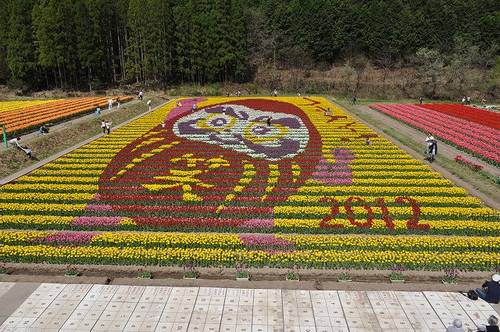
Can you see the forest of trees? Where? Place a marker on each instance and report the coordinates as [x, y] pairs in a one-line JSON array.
[[92, 44]]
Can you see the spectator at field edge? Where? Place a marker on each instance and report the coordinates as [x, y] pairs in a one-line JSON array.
[[492, 324], [43, 130], [490, 290]]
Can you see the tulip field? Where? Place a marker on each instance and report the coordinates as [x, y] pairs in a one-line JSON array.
[[221, 186], [20, 116], [472, 130], [477, 115]]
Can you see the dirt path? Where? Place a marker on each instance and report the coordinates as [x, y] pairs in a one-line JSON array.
[[444, 149]]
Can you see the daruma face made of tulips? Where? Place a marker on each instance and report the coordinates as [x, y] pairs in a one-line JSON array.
[[222, 155]]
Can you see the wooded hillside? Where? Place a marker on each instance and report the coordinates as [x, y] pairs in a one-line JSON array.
[[91, 44]]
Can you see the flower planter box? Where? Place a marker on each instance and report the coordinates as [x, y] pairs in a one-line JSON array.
[[397, 281], [243, 278], [191, 275], [292, 277], [72, 275], [445, 282]]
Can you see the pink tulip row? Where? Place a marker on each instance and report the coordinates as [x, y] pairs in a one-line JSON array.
[[480, 140], [477, 131]]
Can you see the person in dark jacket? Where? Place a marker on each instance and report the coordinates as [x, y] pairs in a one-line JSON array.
[[490, 290], [492, 324]]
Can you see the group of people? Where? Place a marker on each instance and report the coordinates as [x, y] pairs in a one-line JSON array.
[[106, 126], [492, 326], [237, 94], [489, 292], [466, 100], [111, 102]]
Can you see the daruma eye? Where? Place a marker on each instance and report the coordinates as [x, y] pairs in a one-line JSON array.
[[245, 130]]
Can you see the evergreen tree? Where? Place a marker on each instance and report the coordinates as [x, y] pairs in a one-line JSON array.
[[21, 57], [4, 32]]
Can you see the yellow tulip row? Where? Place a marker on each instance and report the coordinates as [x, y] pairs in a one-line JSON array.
[[423, 200], [176, 239], [357, 181], [397, 210], [379, 224], [219, 257], [453, 226], [380, 190]]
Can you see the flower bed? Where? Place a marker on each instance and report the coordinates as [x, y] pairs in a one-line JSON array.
[[473, 114], [221, 187], [19, 117], [478, 139]]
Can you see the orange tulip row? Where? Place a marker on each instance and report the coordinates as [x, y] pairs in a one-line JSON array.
[[21, 119]]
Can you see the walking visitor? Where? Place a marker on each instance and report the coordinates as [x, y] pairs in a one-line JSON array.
[[108, 126]]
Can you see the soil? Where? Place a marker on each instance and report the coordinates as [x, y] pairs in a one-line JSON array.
[[225, 277], [444, 149]]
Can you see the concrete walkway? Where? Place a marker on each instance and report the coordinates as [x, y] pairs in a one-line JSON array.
[[87, 307], [39, 164]]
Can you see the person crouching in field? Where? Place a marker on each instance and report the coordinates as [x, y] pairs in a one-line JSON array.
[[25, 149]]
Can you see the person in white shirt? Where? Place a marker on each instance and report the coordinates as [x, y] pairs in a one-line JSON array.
[[110, 104], [15, 141], [103, 126], [25, 149], [108, 126], [149, 104]]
